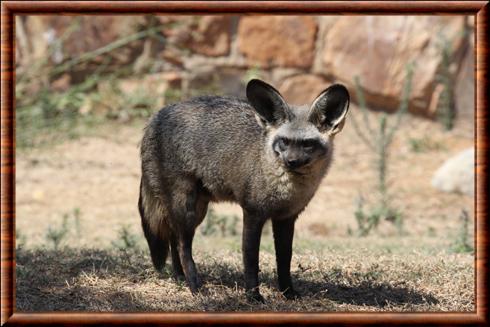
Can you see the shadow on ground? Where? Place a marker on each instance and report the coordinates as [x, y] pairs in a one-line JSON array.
[[98, 280]]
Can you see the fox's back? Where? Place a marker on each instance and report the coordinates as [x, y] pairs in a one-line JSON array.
[[215, 139]]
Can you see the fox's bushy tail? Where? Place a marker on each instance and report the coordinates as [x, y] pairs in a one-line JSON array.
[[153, 220]]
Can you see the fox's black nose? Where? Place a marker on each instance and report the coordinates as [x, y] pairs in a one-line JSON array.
[[294, 163]]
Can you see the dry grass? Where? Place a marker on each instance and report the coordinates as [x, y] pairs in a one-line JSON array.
[[374, 275]]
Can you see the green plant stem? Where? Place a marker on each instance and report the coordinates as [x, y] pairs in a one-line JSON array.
[[382, 158], [407, 89], [361, 135], [362, 104]]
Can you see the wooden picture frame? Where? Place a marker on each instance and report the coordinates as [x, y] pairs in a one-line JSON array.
[[9, 9]]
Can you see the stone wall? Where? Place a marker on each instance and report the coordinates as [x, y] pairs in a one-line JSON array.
[[301, 55]]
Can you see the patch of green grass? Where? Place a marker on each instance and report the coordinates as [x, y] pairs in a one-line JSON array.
[[424, 144]]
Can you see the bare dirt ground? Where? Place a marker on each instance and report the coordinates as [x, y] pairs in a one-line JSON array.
[[98, 176]]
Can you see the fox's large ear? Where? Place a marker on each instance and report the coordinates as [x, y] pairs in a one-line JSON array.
[[329, 109], [267, 102]]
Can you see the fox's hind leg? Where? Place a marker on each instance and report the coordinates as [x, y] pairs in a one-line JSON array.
[[189, 209], [176, 265]]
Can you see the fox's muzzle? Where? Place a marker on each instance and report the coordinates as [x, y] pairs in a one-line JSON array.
[[296, 163]]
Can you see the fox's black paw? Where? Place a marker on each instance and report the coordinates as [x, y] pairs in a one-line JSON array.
[[254, 296], [180, 277], [291, 294], [194, 284]]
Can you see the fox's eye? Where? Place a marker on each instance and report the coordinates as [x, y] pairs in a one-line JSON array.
[[279, 145], [283, 143], [309, 145], [308, 148]]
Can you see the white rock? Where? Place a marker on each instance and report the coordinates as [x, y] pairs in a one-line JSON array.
[[457, 174]]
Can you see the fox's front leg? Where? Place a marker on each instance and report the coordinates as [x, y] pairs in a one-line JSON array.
[[283, 231], [252, 231]]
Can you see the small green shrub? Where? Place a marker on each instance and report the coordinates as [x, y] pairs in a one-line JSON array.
[[446, 110], [56, 235], [127, 240], [20, 239], [379, 141], [223, 225], [461, 243], [251, 73], [431, 231], [173, 95], [446, 75], [368, 220], [76, 218]]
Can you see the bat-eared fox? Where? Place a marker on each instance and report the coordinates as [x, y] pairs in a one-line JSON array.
[[262, 153]]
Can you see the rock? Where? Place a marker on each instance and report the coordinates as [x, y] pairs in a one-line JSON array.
[[302, 89], [206, 35], [464, 91], [172, 56], [173, 79], [325, 23], [270, 41], [207, 80], [457, 174], [278, 75], [156, 84], [164, 88], [318, 229], [212, 36], [61, 84], [377, 49]]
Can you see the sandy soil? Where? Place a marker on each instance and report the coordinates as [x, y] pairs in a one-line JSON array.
[[99, 174]]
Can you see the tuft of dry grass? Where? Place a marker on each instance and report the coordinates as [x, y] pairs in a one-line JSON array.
[[333, 280]]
